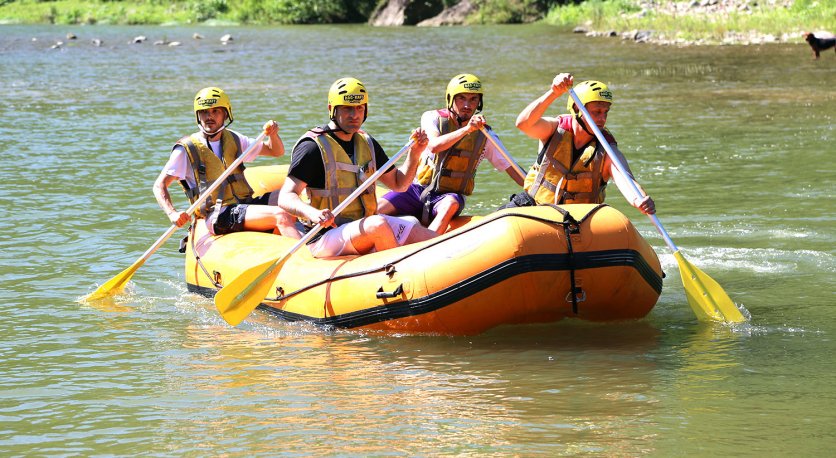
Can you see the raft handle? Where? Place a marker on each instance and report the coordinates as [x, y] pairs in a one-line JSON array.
[[390, 270], [580, 295], [384, 295]]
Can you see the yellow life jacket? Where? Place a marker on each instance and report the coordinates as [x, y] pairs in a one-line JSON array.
[[556, 180], [343, 176], [207, 168], [452, 170]]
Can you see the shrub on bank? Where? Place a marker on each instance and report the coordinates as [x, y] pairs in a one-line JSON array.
[[185, 11]]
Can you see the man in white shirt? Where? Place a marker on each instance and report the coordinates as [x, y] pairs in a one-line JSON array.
[[199, 159]]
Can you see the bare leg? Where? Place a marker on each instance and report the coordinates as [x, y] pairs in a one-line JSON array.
[[286, 224], [420, 233], [444, 213], [374, 232], [267, 217]]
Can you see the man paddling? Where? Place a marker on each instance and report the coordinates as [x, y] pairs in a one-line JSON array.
[[448, 166], [572, 167], [331, 162], [199, 159]]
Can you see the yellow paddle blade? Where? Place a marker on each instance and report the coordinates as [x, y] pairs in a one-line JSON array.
[[245, 292], [115, 284], [705, 296]]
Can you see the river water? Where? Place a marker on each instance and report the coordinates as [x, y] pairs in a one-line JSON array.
[[734, 143]]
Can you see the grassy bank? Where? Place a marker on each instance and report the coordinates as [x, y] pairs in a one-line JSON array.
[[157, 12], [667, 21], [724, 21]]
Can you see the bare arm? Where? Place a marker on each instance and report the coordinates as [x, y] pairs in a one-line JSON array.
[[273, 145], [290, 202], [437, 142], [643, 203], [400, 178], [532, 121], [501, 159], [163, 197]]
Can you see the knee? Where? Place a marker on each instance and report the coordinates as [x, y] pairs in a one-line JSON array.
[[448, 205], [284, 218], [375, 224], [286, 224]]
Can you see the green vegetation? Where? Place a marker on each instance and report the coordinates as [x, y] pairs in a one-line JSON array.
[[671, 20], [184, 11], [511, 11], [712, 23]]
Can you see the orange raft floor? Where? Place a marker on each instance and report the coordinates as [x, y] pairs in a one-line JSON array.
[[514, 266]]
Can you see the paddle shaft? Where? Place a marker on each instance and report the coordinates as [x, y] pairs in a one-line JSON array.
[[193, 207], [706, 297], [498, 145], [126, 274], [315, 230], [621, 167]]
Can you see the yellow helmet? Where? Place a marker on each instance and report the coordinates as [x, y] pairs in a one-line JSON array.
[[464, 83], [347, 92], [589, 91], [210, 97]]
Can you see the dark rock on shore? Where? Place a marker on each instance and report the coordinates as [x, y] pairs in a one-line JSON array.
[[405, 12], [454, 15]]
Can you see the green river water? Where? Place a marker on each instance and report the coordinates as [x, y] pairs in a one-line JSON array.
[[735, 144]]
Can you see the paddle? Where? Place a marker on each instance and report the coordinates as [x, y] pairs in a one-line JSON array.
[[498, 144], [705, 296], [116, 283], [245, 292]]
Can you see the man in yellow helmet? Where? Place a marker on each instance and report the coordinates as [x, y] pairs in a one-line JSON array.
[[448, 165], [571, 166], [197, 160], [331, 162]]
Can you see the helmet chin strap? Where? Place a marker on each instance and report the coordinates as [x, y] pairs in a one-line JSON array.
[[339, 127], [211, 134], [459, 119], [583, 124]]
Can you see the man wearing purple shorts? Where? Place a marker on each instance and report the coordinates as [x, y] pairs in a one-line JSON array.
[[448, 165]]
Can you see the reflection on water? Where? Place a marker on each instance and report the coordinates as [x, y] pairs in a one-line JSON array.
[[733, 144], [451, 394]]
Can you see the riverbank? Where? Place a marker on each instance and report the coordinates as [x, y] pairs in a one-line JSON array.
[[698, 22], [681, 23]]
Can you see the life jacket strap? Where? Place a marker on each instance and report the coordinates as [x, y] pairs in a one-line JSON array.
[[571, 226]]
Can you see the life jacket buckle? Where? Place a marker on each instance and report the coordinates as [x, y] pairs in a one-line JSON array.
[[367, 167]]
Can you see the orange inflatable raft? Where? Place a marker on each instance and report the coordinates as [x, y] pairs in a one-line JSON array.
[[526, 265]]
